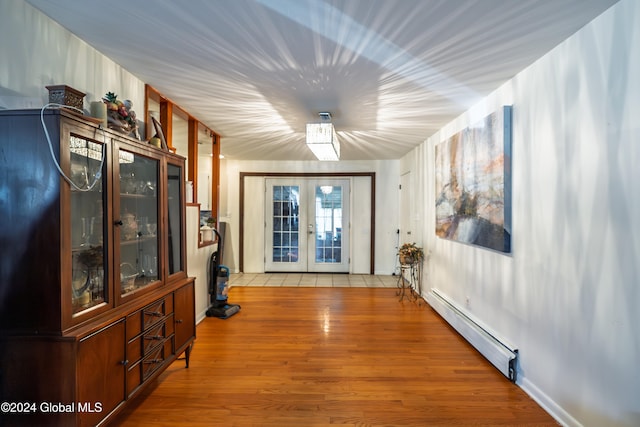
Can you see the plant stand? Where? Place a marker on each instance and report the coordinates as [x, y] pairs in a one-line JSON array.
[[410, 282]]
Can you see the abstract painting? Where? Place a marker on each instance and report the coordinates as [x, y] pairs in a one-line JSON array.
[[473, 184]]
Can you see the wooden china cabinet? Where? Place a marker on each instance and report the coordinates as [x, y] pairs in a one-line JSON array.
[[94, 297]]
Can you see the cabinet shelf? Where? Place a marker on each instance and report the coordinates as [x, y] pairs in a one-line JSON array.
[[139, 240], [136, 196]]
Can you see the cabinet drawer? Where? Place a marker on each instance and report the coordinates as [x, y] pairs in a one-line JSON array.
[[153, 313], [134, 350], [134, 324], [134, 377], [157, 334], [156, 358]]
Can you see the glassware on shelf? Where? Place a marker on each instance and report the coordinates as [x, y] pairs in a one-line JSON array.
[[91, 231], [128, 183], [87, 218], [139, 212], [141, 226], [150, 266], [79, 283], [129, 227], [128, 275], [87, 278], [96, 287], [152, 228]]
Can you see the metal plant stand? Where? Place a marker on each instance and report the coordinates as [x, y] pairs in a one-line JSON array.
[[410, 282]]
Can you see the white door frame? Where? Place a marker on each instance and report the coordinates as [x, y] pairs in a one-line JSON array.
[[297, 214]]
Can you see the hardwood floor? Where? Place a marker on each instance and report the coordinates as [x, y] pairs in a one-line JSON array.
[[309, 356]]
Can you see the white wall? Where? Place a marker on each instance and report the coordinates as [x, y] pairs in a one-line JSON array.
[[568, 295], [35, 52], [387, 180], [198, 261]]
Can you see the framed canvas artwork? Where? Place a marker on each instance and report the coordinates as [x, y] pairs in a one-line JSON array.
[[473, 184]]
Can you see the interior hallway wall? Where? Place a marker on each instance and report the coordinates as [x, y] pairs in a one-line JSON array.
[[569, 293]]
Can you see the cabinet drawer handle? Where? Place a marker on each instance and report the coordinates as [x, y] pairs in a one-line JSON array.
[[155, 337], [178, 320], [118, 222], [152, 361], [154, 313], [124, 362]]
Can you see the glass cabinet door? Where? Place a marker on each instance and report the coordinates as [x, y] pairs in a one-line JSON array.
[[87, 223], [174, 189], [138, 263]]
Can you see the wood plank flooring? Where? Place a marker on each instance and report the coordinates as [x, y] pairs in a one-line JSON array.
[[308, 356]]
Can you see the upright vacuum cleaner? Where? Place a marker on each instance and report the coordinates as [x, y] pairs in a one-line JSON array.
[[219, 285]]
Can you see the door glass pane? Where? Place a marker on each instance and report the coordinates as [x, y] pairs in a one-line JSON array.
[[174, 188], [87, 225], [328, 222], [286, 207], [138, 264]]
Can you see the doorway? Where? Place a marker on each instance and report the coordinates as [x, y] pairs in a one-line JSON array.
[[307, 225]]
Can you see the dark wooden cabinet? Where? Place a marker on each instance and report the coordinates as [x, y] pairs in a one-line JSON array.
[[101, 371], [95, 301], [185, 321]]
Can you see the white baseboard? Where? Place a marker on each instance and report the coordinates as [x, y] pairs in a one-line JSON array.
[[201, 316], [548, 404]]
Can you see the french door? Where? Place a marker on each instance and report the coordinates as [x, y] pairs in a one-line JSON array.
[[307, 225]]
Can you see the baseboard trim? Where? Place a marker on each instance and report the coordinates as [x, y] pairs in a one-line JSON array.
[[549, 405]]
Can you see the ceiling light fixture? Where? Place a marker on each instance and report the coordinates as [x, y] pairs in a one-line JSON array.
[[326, 189], [322, 138]]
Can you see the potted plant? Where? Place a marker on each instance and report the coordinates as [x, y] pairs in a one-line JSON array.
[[409, 253], [211, 222]]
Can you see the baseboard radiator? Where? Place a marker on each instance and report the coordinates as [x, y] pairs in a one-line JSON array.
[[501, 355]]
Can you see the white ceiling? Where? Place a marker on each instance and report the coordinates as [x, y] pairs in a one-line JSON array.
[[391, 72]]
